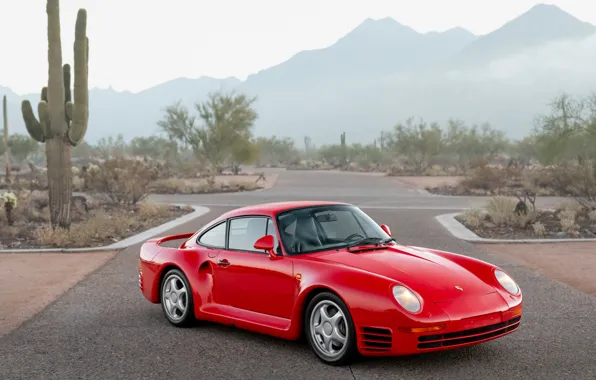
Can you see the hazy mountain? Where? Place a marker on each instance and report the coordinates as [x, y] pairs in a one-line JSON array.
[[374, 48], [380, 73], [540, 25]]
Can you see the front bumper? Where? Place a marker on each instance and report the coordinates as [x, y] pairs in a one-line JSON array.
[[468, 323]]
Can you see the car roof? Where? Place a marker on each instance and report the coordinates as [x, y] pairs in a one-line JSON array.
[[275, 207]]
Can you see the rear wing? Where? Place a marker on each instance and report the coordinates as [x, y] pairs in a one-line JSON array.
[[151, 247], [163, 239]]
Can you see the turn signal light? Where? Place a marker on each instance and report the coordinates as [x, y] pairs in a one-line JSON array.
[[418, 330], [516, 311]]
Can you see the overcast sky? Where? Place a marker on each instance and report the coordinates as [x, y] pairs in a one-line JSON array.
[[136, 44]]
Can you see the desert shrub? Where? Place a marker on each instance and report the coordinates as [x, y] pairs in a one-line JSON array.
[[501, 210], [78, 184], [122, 180], [567, 219], [577, 180], [435, 170], [592, 215], [570, 206], [539, 229], [152, 210], [524, 220], [197, 186], [9, 202], [104, 225], [98, 228], [484, 178], [473, 218]]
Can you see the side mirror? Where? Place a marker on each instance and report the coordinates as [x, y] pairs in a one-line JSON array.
[[386, 228], [266, 243]]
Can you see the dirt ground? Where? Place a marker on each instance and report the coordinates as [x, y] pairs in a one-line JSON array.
[[31, 281], [571, 263], [422, 182]]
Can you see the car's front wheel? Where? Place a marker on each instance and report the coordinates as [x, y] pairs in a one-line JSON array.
[[330, 330], [176, 298]]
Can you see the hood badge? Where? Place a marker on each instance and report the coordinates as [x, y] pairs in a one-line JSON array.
[[459, 288]]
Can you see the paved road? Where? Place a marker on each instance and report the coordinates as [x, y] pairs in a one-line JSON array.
[[367, 190], [104, 329]]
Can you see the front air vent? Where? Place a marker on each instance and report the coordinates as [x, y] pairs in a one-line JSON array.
[[375, 339], [468, 336]]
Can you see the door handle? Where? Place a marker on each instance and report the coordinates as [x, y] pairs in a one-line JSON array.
[[223, 262]]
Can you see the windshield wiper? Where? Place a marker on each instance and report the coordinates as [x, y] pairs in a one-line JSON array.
[[376, 241]]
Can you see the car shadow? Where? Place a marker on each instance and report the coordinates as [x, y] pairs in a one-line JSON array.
[[436, 360]]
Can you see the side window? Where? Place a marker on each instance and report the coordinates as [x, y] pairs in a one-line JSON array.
[[271, 231], [244, 232], [339, 224], [215, 237]]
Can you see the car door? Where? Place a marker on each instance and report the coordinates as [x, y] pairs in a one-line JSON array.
[[212, 241], [250, 279]]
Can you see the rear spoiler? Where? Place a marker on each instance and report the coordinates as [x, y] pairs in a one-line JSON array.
[[152, 247], [162, 239]]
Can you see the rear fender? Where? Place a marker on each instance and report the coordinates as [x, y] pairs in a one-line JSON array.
[[155, 259]]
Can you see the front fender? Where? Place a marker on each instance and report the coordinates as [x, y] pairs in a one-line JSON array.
[[368, 296]]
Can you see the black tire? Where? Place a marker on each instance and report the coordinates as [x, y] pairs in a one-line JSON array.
[[185, 318], [350, 351]]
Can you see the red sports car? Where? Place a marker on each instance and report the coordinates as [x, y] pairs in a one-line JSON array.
[[330, 272]]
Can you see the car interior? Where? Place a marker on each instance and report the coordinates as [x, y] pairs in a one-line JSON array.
[[304, 232]]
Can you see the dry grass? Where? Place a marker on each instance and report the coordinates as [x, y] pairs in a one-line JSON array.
[[501, 210], [474, 217], [421, 182], [101, 224], [198, 186], [539, 229]]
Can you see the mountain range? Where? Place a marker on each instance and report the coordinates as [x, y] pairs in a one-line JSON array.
[[380, 73]]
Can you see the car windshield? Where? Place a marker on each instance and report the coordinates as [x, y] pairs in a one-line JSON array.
[[320, 228]]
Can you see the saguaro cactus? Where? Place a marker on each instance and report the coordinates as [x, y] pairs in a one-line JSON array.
[[6, 146], [344, 150], [62, 123]]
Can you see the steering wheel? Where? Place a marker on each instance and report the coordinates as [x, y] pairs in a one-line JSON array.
[[353, 236]]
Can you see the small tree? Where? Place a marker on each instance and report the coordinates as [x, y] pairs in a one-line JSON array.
[[227, 123], [418, 142], [22, 146], [566, 140]]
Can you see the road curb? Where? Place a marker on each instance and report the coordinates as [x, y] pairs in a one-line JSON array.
[[461, 232], [132, 240]]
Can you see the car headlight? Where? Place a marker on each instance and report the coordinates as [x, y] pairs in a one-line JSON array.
[[407, 299], [506, 282]]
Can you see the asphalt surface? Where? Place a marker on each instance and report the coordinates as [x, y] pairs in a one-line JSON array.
[[104, 329]]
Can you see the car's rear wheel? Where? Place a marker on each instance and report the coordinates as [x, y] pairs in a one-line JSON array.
[[329, 329], [176, 298]]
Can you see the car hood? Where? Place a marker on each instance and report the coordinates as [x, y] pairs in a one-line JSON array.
[[433, 277]]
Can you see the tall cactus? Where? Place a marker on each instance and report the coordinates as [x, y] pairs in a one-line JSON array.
[[6, 146], [344, 151], [62, 124]]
